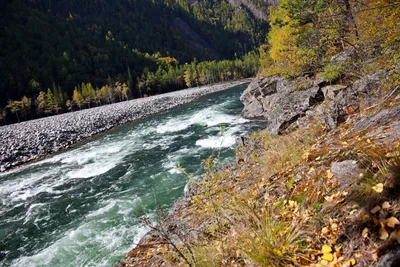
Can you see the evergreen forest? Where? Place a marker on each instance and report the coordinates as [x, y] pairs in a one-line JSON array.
[[59, 56]]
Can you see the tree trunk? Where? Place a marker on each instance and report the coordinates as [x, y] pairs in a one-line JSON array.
[[350, 18]]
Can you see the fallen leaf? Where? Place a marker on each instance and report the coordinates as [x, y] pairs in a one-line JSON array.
[[392, 221], [325, 230], [365, 232], [324, 263], [327, 257], [329, 174], [326, 249], [374, 256], [353, 211], [386, 205], [378, 188], [353, 262], [383, 234], [395, 235]]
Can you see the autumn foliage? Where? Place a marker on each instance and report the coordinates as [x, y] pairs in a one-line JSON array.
[[306, 34]]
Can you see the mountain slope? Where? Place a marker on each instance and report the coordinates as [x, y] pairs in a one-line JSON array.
[[69, 42]]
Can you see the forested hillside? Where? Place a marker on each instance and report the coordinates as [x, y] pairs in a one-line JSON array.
[[59, 45]]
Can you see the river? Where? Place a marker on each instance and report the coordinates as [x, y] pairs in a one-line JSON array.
[[81, 207]]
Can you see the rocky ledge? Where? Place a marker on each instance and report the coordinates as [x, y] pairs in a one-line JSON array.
[[32, 140], [280, 102]]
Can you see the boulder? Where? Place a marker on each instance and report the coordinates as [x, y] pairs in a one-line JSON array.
[[281, 110], [275, 100], [344, 100], [369, 83], [345, 172]]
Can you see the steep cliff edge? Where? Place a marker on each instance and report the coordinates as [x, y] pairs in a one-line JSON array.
[[323, 193]]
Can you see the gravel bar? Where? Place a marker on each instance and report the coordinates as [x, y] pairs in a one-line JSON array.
[[35, 139]]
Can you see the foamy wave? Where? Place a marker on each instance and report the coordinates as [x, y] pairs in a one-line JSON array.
[[227, 139], [210, 116], [216, 142]]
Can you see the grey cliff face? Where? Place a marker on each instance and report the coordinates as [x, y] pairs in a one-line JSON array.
[[275, 101], [280, 102]]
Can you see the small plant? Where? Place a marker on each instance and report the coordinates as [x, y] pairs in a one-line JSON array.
[[332, 72], [269, 239]]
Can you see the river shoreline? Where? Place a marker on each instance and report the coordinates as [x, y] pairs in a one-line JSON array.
[[36, 139]]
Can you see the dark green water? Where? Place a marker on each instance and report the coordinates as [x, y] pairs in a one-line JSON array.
[[81, 207]]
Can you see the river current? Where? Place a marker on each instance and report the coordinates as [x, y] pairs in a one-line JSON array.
[[82, 207]]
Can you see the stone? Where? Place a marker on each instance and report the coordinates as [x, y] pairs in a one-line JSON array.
[[275, 101], [346, 172], [369, 83], [331, 91]]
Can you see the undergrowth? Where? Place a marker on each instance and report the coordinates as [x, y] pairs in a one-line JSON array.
[[282, 205]]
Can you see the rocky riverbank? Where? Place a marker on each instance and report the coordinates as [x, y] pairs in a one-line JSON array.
[[33, 140]]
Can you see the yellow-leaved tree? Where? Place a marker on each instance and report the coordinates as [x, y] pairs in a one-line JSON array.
[[378, 22], [284, 56]]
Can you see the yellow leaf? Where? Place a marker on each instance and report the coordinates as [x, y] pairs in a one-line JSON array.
[[353, 211], [383, 234], [311, 170], [378, 188], [329, 174], [353, 262], [365, 232], [325, 230], [327, 257], [385, 205], [305, 155], [392, 221], [395, 235], [326, 249], [324, 263]]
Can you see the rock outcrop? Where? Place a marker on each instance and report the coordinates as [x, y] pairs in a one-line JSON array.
[[280, 102], [277, 101]]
